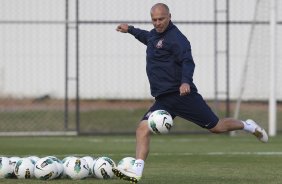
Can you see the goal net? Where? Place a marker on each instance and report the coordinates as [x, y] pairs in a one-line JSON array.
[[254, 87]]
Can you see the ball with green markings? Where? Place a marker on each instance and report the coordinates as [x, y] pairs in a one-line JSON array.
[[160, 122]]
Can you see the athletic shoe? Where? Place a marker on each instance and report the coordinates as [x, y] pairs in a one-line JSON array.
[[126, 175], [260, 133]]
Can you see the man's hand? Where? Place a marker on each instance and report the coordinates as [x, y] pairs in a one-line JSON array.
[[184, 89], [122, 28]]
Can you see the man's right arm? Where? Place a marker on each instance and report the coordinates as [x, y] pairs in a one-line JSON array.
[[139, 34]]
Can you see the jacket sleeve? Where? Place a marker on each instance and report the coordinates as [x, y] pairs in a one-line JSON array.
[[182, 51], [139, 34]]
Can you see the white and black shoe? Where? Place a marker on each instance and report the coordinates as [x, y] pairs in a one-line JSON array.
[[126, 175], [259, 132]]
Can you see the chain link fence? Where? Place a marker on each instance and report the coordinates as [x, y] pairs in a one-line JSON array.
[[64, 68]]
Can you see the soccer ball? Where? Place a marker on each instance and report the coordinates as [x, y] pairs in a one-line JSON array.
[[34, 159], [6, 168], [65, 163], [59, 165], [77, 168], [103, 168], [45, 169], [90, 162], [126, 163], [160, 122], [24, 168], [13, 161]]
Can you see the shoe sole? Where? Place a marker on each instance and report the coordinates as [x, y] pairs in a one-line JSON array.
[[261, 135], [124, 177]]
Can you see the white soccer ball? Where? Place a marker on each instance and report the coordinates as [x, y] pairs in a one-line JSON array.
[[103, 168], [45, 169], [59, 165], [90, 162], [160, 122], [6, 168], [24, 168], [13, 161], [65, 162], [33, 158], [77, 168], [126, 163]]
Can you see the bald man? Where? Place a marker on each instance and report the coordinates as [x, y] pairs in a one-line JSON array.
[[170, 68]]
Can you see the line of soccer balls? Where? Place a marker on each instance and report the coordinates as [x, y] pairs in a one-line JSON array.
[[50, 167]]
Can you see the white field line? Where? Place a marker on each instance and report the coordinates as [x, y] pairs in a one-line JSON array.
[[127, 140], [192, 154], [219, 153], [167, 154]]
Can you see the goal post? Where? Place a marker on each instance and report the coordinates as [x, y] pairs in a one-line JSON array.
[[270, 37], [272, 127]]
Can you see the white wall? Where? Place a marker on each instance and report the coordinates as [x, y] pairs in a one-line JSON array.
[[112, 65]]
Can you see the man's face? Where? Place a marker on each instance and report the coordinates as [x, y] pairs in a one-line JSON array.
[[160, 19]]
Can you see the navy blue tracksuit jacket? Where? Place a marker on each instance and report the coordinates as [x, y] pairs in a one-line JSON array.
[[169, 59]]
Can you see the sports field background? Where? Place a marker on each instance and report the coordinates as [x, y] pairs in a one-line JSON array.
[[39, 65], [107, 116], [199, 159], [187, 157], [45, 61]]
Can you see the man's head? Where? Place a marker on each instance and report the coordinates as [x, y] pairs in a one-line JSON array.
[[160, 17]]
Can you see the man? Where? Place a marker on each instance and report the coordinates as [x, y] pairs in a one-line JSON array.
[[170, 69]]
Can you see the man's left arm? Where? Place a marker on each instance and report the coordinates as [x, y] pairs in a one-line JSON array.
[[184, 55], [188, 67]]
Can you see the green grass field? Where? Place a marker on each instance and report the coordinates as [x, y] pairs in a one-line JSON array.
[[98, 117], [179, 159]]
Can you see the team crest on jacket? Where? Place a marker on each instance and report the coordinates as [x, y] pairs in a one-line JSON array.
[[160, 43]]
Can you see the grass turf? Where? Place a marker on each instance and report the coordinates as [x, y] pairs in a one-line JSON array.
[[198, 159]]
